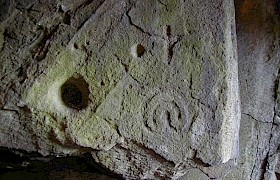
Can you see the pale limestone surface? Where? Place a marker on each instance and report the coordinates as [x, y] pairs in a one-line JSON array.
[[149, 88]]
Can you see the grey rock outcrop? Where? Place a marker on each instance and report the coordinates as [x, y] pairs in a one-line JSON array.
[[149, 88], [258, 58]]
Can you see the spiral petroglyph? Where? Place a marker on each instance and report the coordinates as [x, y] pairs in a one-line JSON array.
[[166, 111]]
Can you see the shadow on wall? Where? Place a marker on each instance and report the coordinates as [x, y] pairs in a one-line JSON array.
[[15, 164], [278, 6]]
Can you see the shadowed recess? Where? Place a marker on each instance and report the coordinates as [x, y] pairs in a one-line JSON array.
[[75, 93]]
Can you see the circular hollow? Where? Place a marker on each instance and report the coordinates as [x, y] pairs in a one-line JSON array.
[[75, 93], [138, 50]]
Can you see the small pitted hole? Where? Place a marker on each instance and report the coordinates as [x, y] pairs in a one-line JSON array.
[[76, 46], [102, 83], [75, 93], [168, 30], [67, 19], [138, 50]]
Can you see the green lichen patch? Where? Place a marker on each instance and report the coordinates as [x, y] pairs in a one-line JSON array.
[[44, 97], [45, 93], [83, 127]]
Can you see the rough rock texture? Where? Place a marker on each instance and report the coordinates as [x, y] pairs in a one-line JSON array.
[[258, 32], [149, 88]]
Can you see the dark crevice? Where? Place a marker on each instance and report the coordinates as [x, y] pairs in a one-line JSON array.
[[165, 5], [170, 51], [4, 38], [88, 2], [11, 110], [277, 176], [26, 8], [118, 131], [153, 153], [263, 166], [84, 22], [43, 47], [169, 45], [19, 163], [67, 19], [198, 161], [136, 150], [254, 166], [136, 26], [276, 85], [125, 66], [171, 42], [200, 165], [170, 54], [168, 31], [83, 5], [258, 121]]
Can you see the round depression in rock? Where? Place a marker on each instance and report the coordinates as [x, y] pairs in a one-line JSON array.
[[75, 93]]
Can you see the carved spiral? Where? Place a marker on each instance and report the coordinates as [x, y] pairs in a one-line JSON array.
[[166, 111]]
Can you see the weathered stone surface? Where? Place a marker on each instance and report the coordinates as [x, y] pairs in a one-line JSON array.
[[149, 88], [258, 30]]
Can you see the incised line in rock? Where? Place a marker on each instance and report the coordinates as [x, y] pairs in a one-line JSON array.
[[170, 41]]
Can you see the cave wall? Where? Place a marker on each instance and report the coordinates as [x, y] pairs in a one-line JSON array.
[[258, 62], [150, 89]]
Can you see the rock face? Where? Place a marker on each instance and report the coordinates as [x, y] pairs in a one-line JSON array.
[[258, 28], [149, 88]]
